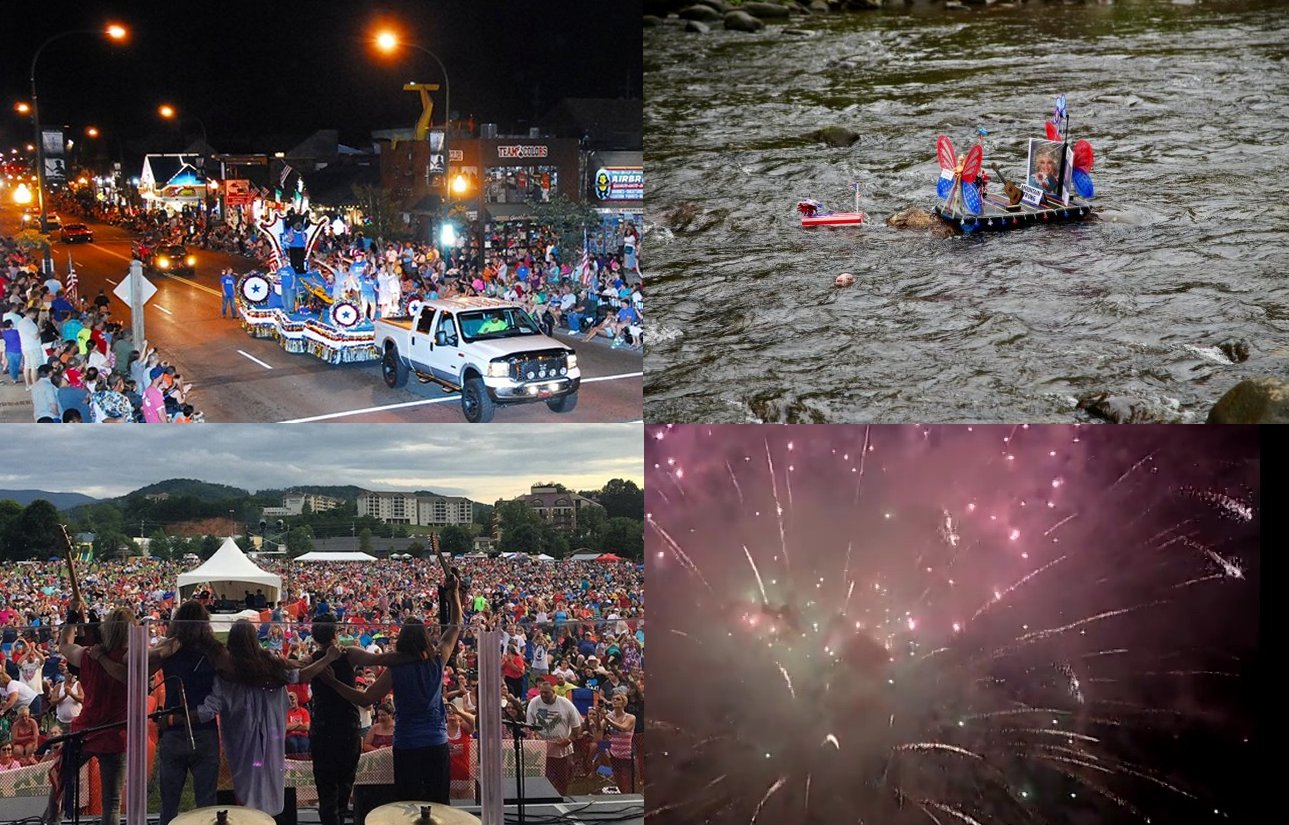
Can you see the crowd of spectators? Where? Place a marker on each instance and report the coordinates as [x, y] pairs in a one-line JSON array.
[[572, 644], [79, 364], [595, 292]]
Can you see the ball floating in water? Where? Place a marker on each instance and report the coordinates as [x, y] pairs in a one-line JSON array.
[[845, 279]]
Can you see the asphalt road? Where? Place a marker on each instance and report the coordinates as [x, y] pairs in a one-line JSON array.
[[237, 378]]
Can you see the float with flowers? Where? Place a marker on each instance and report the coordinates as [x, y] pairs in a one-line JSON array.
[[1056, 187]]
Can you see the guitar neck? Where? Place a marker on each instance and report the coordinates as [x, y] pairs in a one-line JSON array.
[[69, 552]]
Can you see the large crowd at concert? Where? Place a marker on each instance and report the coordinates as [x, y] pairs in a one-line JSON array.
[[350, 658]]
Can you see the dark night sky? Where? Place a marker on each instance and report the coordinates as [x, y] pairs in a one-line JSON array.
[[288, 66]]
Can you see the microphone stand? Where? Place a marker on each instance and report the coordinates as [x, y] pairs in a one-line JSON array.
[[516, 732], [73, 744]]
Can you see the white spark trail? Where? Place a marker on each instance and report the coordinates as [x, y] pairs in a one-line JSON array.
[[734, 479], [1109, 614], [787, 679], [676, 551], [1052, 529], [773, 788], [863, 454], [760, 584], [948, 809], [1129, 471], [778, 508], [1026, 578], [832, 739], [938, 746]]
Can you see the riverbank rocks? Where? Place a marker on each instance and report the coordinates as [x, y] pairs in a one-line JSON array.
[[650, 21], [741, 21], [1237, 351], [913, 218], [697, 27], [834, 136], [700, 12], [1117, 409], [1255, 401], [844, 279], [864, 4], [766, 11]]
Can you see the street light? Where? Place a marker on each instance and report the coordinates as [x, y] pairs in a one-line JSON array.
[[22, 107], [388, 41], [91, 131], [170, 113], [114, 31]]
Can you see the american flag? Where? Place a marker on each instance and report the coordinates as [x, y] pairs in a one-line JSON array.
[[585, 270], [71, 278]]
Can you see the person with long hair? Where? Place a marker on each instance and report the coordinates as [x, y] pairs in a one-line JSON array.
[[103, 674], [249, 696], [414, 672], [621, 727], [188, 657]]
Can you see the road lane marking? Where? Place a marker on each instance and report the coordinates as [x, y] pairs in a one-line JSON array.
[[612, 377], [403, 405], [163, 309], [256, 360], [110, 281]]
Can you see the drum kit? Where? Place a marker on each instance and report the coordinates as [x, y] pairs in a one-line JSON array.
[[395, 813]]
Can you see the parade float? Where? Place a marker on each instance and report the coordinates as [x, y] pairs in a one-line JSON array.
[[814, 213], [1057, 186], [298, 306]]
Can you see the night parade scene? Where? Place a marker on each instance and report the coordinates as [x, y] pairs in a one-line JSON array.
[[400, 213]]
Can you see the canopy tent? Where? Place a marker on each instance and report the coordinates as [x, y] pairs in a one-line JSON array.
[[230, 574], [609, 557], [544, 557], [584, 556], [318, 555]]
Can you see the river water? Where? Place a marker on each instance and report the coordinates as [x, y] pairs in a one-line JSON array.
[[1186, 105]]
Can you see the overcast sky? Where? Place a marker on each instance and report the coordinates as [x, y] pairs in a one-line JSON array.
[[484, 463]]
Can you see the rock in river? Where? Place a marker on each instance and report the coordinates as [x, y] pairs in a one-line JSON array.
[[697, 26], [702, 12], [1255, 401], [766, 11], [741, 21], [834, 136]]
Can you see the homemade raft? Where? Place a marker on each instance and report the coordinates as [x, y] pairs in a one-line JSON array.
[[1057, 187]]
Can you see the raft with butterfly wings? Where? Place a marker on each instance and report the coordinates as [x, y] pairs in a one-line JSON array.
[[1057, 189]]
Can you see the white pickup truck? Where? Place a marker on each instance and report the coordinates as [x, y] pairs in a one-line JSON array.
[[490, 351]]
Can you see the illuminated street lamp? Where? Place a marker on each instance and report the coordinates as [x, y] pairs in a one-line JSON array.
[[115, 32], [388, 41], [169, 112], [22, 107], [22, 195], [91, 131]]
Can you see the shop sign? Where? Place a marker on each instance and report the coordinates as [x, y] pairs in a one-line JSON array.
[[620, 183], [237, 192], [529, 151]]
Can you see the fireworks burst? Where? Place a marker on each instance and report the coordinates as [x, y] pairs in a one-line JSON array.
[[1021, 624]]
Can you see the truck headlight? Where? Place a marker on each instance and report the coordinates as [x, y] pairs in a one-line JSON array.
[[163, 263], [572, 360], [498, 369], [191, 260]]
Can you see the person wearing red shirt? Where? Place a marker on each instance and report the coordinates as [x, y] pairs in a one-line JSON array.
[[513, 668], [103, 674], [297, 726], [460, 742]]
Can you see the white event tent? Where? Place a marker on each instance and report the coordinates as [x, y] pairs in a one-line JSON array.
[[230, 574], [318, 555]]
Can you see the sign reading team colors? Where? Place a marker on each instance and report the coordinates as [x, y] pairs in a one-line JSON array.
[[237, 192], [620, 183], [537, 151]]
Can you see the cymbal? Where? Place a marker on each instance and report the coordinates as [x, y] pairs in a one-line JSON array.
[[409, 813], [235, 815]]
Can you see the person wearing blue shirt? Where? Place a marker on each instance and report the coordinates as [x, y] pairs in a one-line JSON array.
[[227, 287], [287, 278], [414, 672]]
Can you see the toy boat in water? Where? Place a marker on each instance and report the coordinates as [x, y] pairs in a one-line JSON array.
[[813, 213], [1058, 184]]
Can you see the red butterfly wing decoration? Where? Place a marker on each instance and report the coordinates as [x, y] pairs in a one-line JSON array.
[[944, 152], [1083, 156], [971, 166]]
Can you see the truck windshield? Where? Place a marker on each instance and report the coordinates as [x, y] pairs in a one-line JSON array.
[[506, 322]]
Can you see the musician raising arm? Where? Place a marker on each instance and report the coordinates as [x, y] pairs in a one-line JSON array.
[[414, 671]]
